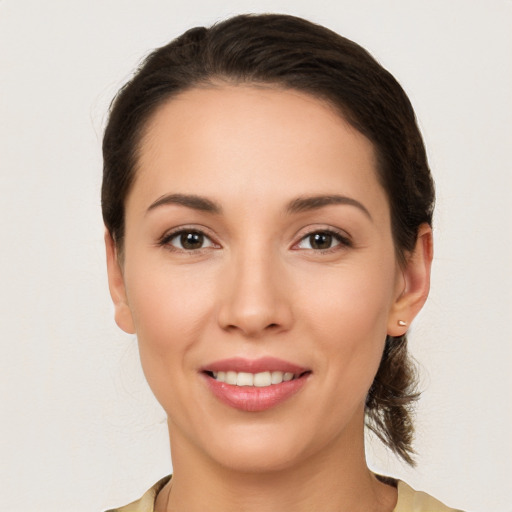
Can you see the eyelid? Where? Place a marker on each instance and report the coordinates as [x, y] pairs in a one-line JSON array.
[[166, 238], [341, 236]]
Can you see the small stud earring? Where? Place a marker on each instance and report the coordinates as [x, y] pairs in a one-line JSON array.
[[401, 323]]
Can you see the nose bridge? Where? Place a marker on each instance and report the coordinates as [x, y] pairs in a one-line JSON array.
[[254, 299]]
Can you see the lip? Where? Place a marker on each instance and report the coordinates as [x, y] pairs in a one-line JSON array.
[[251, 398], [263, 364]]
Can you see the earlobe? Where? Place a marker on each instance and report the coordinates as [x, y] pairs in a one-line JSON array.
[[122, 312], [416, 283]]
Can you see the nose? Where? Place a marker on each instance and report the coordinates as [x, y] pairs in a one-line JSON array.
[[256, 300]]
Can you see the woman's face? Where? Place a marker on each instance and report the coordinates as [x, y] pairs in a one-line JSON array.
[[258, 242]]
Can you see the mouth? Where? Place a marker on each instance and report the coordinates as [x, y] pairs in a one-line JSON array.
[[254, 385], [258, 380]]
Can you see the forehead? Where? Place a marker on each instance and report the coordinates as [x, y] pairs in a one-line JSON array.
[[262, 141]]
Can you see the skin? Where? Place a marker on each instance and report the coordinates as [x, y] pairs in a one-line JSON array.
[[258, 287]]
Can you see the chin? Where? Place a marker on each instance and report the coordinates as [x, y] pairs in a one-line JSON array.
[[257, 458], [263, 448]]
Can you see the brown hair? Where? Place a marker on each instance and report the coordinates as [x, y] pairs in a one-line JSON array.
[[293, 53]]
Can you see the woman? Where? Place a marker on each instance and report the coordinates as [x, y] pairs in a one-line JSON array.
[[268, 208]]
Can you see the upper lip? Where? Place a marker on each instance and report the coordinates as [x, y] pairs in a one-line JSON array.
[[262, 364]]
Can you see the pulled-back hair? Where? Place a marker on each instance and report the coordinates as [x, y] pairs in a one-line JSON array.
[[292, 53]]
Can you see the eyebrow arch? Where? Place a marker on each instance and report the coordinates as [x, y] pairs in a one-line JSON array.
[[189, 200], [302, 204]]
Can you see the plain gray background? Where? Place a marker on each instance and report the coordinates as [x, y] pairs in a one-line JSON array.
[[79, 430]]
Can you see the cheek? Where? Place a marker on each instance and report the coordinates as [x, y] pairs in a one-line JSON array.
[[348, 315], [349, 299], [167, 303], [170, 309]]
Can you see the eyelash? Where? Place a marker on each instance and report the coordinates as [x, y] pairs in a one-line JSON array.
[[166, 240], [342, 240]]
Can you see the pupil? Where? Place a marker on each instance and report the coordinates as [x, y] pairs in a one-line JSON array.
[[321, 241], [192, 240]]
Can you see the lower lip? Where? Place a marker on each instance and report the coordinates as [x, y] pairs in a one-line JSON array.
[[255, 399]]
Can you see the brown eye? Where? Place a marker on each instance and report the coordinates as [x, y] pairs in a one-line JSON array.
[[188, 241], [321, 241], [191, 241]]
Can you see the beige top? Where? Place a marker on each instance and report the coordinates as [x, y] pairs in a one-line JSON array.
[[409, 500]]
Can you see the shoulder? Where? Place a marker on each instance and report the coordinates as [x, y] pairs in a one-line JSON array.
[[410, 500], [146, 502]]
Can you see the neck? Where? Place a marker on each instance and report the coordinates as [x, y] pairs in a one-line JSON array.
[[336, 479]]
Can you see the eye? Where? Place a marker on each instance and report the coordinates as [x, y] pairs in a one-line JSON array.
[[322, 241], [187, 240]]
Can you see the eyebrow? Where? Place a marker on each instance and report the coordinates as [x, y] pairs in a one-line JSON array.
[[302, 204], [190, 201]]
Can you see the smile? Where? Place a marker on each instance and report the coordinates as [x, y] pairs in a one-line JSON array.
[[259, 380], [254, 385]]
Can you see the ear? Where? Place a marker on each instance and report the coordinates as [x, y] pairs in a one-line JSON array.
[[123, 314], [414, 285]]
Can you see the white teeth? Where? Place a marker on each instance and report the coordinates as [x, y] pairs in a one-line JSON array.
[[260, 380], [231, 378], [244, 379], [277, 377]]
